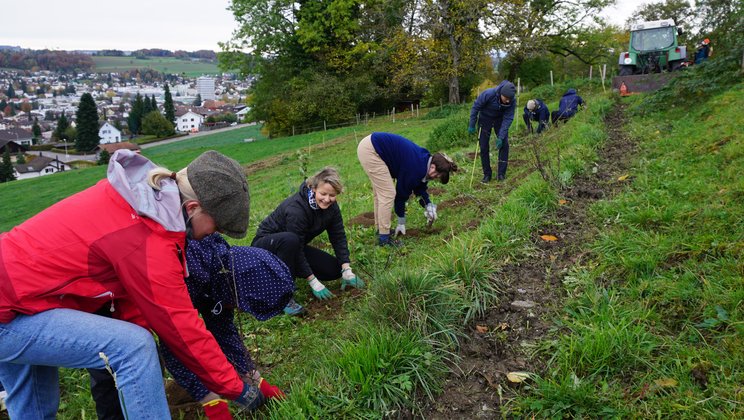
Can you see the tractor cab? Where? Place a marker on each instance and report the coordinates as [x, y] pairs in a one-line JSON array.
[[653, 48]]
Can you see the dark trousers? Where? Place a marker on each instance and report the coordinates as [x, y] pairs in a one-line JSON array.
[[556, 116], [541, 125], [286, 246], [486, 125], [104, 393]]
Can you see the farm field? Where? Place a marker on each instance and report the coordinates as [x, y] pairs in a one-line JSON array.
[[603, 278], [190, 68]]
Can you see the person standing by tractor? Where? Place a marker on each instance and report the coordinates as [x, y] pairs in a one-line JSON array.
[[536, 110], [704, 51], [494, 109]]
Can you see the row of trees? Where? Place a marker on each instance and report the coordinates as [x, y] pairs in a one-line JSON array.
[[145, 118], [34, 60], [331, 60]]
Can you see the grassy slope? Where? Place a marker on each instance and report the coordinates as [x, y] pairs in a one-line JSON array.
[[162, 64], [656, 323], [387, 346]]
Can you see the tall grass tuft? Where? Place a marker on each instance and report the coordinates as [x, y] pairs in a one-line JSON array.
[[418, 301], [465, 262], [385, 368]]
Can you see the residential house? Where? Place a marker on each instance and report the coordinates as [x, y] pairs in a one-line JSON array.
[[112, 147], [19, 136], [189, 122], [12, 146], [108, 133], [39, 166]]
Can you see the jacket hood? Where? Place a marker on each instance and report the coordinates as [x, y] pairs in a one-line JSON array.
[[570, 92], [127, 173]]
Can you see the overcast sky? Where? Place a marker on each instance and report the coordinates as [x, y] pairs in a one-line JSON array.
[[133, 24]]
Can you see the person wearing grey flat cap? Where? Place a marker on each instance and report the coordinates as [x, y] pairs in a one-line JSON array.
[[117, 247], [494, 109]]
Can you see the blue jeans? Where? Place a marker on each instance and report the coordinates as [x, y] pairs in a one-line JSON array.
[[32, 347]]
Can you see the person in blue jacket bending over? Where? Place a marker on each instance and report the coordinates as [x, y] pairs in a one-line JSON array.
[[536, 110], [386, 157], [568, 106], [494, 108]]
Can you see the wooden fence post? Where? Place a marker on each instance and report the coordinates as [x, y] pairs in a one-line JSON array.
[[324, 125]]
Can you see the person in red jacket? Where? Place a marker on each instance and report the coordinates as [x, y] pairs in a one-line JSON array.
[[117, 245]]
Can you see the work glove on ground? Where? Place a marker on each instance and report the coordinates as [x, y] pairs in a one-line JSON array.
[[348, 278], [270, 391], [499, 142], [251, 398], [401, 228], [471, 130], [319, 290], [217, 410], [431, 212]]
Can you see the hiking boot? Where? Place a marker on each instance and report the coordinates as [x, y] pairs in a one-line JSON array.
[[294, 309], [500, 177], [389, 240], [486, 179]]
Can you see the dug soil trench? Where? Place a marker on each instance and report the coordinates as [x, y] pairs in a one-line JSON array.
[[500, 342]]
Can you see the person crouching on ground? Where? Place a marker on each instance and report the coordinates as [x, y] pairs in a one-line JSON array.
[[568, 106], [537, 111], [300, 218], [118, 245], [386, 157]]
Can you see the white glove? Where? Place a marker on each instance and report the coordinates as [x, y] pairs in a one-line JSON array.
[[347, 274], [401, 228], [431, 212]]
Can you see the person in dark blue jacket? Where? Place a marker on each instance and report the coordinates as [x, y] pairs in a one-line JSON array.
[[536, 110], [568, 106], [494, 108], [386, 157]]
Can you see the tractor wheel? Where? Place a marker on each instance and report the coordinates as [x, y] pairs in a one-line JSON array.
[[675, 65], [626, 71]]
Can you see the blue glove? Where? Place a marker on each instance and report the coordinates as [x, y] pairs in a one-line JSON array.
[[348, 278], [251, 398], [471, 130], [499, 143], [319, 290]]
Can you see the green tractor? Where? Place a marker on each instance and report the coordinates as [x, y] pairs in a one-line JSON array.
[[653, 50]]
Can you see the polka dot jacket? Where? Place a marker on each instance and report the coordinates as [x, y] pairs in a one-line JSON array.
[[217, 270]]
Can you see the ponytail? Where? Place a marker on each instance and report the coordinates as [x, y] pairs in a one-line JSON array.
[[158, 175]]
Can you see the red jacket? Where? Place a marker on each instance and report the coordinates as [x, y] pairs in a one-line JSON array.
[[94, 249]]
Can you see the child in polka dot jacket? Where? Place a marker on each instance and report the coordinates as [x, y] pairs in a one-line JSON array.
[[218, 274]]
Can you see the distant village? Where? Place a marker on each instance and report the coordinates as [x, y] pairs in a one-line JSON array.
[[31, 104]]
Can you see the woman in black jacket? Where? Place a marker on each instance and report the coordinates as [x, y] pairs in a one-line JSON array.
[[288, 230]]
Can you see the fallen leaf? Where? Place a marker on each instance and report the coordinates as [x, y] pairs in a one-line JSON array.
[[553, 258], [503, 326], [548, 238], [666, 382], [562, 202], [482, 329], [623, 177], [517, 377]]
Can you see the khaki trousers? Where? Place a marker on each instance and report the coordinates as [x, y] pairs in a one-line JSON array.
[[383, 187]]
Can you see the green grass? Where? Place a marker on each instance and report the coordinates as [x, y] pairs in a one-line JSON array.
[[655, 323], [656, 307], [169, 65]]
